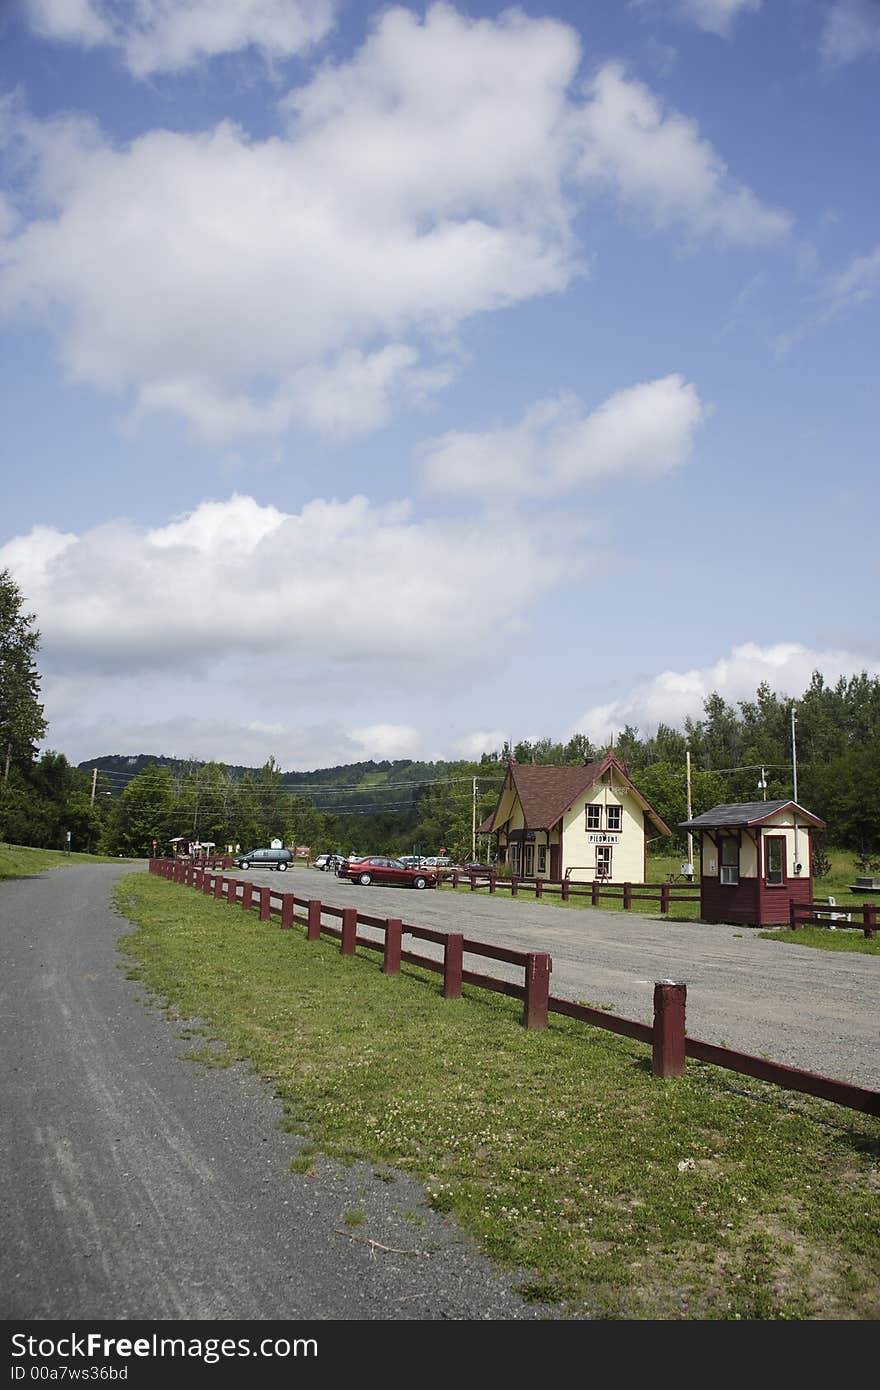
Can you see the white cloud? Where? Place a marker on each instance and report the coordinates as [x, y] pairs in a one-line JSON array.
[[381, 741], [155, 36], [672, 696], [318, 277], [855, 285], [716, 16], [839, 294], [644, 431], [473, 746], [324, 587], [661, 166], [851, 31]]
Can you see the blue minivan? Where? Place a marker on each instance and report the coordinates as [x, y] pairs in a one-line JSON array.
[[264, 859]]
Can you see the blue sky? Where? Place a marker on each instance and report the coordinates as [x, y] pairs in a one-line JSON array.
[[388, 382]]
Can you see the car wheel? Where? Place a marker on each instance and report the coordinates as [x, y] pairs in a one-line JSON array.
[[365, 879], [282, 868], [245, 864], [420, 882]]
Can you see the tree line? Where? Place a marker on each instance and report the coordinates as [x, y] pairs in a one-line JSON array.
[[738, 753]]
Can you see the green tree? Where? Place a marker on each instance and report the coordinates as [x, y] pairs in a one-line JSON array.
[[21, 715], [144, 813]]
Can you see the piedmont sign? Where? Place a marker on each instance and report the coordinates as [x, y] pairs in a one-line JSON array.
[[602, 837]]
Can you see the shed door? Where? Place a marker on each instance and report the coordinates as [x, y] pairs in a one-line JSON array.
[[554, 862]]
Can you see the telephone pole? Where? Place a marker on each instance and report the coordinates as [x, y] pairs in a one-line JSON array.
[[690, 813], [94, 785], [474, 823]]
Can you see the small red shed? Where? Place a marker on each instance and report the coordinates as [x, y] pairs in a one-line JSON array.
[[755, 860]]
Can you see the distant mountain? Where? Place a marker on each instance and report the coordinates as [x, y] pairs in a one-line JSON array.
[[350, 787]]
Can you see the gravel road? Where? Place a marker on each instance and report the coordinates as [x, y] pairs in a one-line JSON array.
[[136, 1185], [793, 1004]]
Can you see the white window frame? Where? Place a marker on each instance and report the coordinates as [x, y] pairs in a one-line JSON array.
[[594, 809], [603, 857], [618, 816], [728, 874]]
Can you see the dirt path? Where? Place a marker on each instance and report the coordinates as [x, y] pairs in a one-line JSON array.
[[137, 1185]]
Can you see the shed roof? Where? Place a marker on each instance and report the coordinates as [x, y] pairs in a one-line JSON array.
[[738, 814]]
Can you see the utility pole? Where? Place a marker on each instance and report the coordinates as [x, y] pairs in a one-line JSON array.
[[94, 784], [474, 823], [690, 813], [794, 783]]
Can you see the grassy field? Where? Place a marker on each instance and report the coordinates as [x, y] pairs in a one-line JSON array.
[[842, 939], [17, 861], [709, 1197]]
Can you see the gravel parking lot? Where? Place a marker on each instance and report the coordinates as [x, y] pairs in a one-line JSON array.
[[794, 1004]]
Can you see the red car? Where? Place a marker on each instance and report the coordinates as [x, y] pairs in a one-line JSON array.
[[377, 869]]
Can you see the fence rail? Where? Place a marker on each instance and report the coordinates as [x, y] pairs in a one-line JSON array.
[[819, 915], [666, 1036], [662, 893]]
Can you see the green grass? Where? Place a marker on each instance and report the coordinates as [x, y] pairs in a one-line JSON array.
[[843, 939], [17, 861], [709, 1197]]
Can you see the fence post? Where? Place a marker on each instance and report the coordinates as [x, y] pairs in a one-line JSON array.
[[455, 878], [231, 890], [664, 897], [198, 877], [207, 882], [538, 966], [669, 1026], [792, 916], [627, 897], [313, 931], [393, 941], [265, 903], [869, 912], [219, 885], [594, 893], [247, 897], [514, 886], [453, 957], [492, 883], [565, 890], [286, 911], [539, 888], [349, 930]]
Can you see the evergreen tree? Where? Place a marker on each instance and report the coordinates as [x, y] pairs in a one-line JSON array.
[[21, 715]]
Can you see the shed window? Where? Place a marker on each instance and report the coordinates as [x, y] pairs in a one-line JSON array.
[[542, 859], [729, 860], [615, 817], [594, 817], [775, 863], [529, 866], [603, 861]]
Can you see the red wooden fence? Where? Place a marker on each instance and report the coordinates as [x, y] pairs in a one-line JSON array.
[[667, 1036]]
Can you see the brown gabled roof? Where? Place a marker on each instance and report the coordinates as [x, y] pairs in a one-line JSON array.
[[545, 791]]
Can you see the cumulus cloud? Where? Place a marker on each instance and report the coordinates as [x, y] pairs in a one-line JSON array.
[[156, 36], [472, 746], [381, 741], [660, 166], [644, 431], [851, 31], [672, 696], [317, 277], [324, 585]]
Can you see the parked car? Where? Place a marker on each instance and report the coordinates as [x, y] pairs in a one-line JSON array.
[[377, 868], [328, 863], [264, 859], [477, 869], [412, 861]]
